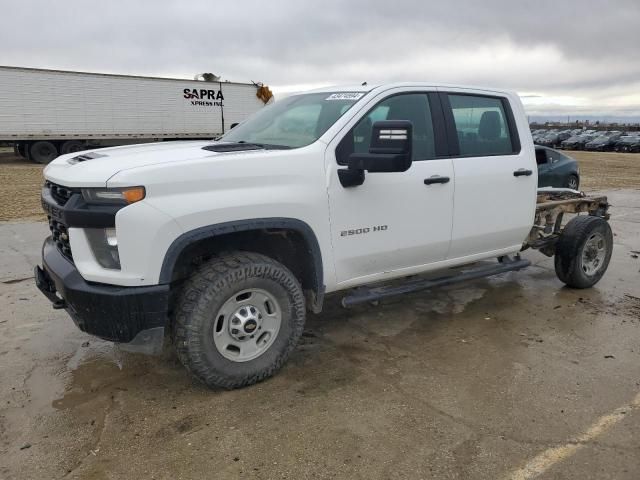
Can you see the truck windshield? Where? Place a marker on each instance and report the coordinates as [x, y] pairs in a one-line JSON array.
[[295, 121]]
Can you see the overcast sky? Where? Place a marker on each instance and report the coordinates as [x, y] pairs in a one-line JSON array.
[[563, 56]]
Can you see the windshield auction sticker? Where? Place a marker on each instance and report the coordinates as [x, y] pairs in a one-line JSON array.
[[353, 96]]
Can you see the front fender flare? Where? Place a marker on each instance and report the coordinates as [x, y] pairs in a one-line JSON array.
[[210, 231]]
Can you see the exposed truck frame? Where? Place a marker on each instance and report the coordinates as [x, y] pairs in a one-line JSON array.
[[551, 207]]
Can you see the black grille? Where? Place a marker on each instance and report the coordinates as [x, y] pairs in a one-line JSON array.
[[59, 193], [60, 235], [59, 231]]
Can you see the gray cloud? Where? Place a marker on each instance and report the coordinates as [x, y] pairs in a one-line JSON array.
[[588, 51]]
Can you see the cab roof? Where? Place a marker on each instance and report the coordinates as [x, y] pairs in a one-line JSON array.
[[385, 86]]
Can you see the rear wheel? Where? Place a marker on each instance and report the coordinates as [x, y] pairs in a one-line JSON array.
[[43, 152], [72, 146], [238, 319], [583, 251]]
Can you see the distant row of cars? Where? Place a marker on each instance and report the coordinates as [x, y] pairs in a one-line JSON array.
[[578, 139]]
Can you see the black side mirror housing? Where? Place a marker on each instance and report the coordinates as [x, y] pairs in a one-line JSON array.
[[389, 150]]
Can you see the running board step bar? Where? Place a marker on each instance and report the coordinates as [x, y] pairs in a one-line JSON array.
[[364, 295]]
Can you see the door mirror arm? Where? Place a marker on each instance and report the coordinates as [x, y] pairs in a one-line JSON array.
[[350, 177]]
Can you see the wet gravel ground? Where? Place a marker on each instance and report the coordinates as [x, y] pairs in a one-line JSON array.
[[511, 377]]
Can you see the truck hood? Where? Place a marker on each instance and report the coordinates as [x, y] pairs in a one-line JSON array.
[[93, 168]]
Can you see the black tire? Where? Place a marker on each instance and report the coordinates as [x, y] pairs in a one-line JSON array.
[[43, 152], [72, 146], [569, 251], [201, 299], [573, 182]]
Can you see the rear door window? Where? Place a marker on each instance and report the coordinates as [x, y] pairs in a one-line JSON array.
[[482, 125]]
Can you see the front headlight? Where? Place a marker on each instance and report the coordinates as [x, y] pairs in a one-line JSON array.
[[104, 244], [113, 196]]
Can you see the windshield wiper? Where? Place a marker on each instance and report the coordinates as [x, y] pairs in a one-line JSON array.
[[242, 146], [266, 146]]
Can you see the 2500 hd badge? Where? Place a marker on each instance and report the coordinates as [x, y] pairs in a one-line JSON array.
[[361, 231]]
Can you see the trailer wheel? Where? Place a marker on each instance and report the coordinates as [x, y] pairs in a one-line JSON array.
[[583, 251], [43, 152], [72, 146], [237, 320]]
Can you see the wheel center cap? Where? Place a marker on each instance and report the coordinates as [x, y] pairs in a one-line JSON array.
[[245, 322], [250, 326]]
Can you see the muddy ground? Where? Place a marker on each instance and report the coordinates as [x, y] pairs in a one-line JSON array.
[[513, 377], [21, 180]]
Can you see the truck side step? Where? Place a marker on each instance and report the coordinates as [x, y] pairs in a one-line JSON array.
[[364, 294]]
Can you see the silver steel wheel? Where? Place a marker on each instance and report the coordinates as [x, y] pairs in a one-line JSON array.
[[247, 325], [573, 183], [594, 253]]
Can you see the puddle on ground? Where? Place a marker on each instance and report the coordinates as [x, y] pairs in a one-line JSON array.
[[63, 379], [91, 379], [94, 350]]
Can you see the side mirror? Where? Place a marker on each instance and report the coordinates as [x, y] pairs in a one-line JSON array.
[[389, 150], [233, 125]]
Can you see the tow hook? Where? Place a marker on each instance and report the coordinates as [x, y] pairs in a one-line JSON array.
[[46, 286]]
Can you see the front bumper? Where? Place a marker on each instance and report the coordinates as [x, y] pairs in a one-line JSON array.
[[115, 313]]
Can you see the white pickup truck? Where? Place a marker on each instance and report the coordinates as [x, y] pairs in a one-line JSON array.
[[225, 245]]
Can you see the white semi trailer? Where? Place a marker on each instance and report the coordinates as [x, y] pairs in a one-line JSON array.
[[45, 113]]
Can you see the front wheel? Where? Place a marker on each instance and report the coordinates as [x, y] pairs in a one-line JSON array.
[[238, 319], [583, 251]]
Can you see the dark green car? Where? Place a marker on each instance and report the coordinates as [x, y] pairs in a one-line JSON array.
[[556, 169]]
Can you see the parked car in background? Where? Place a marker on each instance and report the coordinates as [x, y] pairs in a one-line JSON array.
[[576, 142], [554, 139], [538, 134], [603, 143], [556, 169], [628, 143]]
